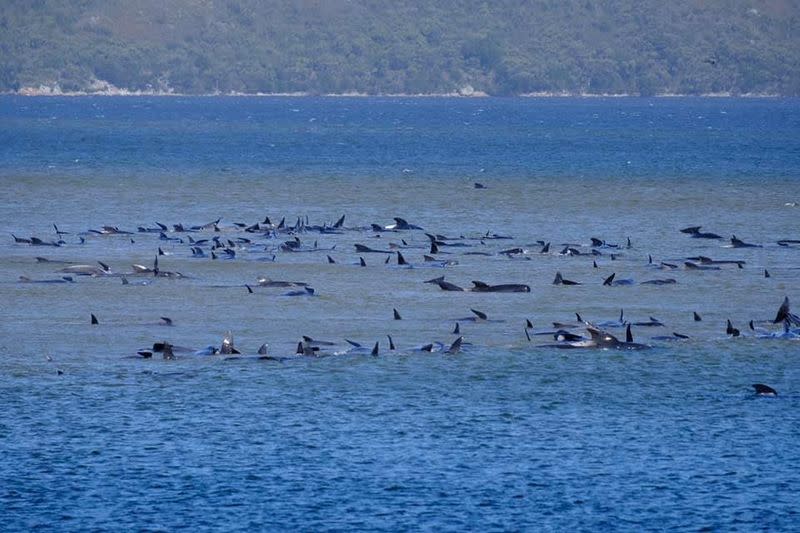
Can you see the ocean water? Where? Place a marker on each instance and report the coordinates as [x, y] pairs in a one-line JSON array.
[[505, 435]]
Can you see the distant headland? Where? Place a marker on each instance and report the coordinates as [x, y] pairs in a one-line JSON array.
[[406, 47]]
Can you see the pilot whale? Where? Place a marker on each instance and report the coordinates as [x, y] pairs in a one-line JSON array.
[[444, 285], [695, 233], [479, 286], [738, 243], [561, 281], [87, 270], [360, 248], [401, 224], [764, 390]]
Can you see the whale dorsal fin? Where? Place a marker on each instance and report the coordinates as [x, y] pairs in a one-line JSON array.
[[593, 332], [456, 346], [783, 311], [481, 315], [167, 351], [764, 389]]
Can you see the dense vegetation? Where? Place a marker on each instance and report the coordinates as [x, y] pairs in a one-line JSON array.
[[403, 46]]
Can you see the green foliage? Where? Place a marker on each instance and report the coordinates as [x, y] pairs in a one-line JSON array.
[[502, 47]]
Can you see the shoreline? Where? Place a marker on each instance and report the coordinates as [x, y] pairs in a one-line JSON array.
[[45, 91]]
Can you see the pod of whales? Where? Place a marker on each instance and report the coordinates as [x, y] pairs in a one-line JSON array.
[[242, 241], [599, 338]]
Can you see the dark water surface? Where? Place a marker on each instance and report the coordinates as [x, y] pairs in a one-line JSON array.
[[503, 436]]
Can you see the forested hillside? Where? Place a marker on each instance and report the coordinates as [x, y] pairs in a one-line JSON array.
[[500, 47]]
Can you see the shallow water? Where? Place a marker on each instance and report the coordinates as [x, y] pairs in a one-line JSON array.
[[506, 435]]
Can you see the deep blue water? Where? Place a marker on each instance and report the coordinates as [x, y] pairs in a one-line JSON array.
[[551, 138], [506, 435]]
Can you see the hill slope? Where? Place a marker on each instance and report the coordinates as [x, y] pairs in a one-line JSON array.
[[406, 46]]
